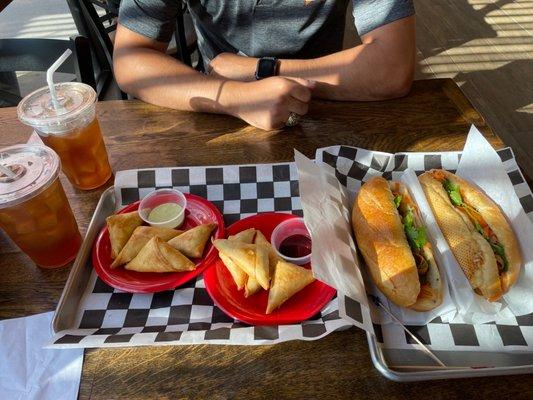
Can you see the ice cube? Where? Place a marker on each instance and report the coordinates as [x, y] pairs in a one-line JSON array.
[[28, 225], [47, 221]]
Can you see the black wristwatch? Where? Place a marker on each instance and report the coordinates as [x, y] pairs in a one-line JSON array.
[[266, 66]]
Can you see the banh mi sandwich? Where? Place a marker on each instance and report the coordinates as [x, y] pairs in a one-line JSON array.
[[392, 239], [477, 232]]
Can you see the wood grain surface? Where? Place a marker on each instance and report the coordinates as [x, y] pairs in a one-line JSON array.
[[435, 116]]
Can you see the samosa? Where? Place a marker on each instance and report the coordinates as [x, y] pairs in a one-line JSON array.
[[251, 258], [121, 227], [288, 279], [192, 242], [239, 276], [246, 236], [262, 266], [242, 254], [158, 256], [141, 235], [251, 287], [273, 257]]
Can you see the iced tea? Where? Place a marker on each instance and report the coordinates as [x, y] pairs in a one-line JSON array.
[[83, 155], [34, 210], [70, 127], [44, 227]]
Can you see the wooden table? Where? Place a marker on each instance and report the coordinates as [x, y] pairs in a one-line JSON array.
[[435, 116]]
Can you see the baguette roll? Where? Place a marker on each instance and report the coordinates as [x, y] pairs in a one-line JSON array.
[[382, 240], [477, 232]]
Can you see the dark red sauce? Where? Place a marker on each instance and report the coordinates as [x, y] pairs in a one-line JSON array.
[[295, 246]]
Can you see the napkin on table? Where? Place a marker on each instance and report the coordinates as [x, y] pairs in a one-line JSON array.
[[27, 370]]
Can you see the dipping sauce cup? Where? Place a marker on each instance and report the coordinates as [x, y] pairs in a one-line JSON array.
[[292, 241], [163, 208], [34, 210], [72, 131]]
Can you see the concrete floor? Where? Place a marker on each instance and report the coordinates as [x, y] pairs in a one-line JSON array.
[[485, 45]]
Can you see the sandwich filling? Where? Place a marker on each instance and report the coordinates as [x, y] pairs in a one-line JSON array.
[[416, 236], [473, 215]]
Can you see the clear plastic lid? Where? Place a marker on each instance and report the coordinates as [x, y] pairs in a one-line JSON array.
[[75, 100], [34, 167]]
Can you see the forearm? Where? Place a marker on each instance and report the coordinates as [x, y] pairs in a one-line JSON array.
[[380, 68], [359, 73], [161, 80]]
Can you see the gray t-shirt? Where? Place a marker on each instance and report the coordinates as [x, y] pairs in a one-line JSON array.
[[259, 28]]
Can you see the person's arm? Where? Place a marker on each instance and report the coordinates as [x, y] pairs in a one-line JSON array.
[[143, 70], [381, 67]]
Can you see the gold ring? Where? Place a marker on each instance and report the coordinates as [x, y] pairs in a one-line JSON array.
[[293, 119]]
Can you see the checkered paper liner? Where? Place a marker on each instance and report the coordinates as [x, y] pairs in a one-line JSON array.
[[110, 318], [353, 166]]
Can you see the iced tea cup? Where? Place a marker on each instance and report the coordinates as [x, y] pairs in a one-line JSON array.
[[72, 130], [34, 210]]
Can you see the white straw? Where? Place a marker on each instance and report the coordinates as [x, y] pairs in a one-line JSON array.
[[50, 76], [7, 172]]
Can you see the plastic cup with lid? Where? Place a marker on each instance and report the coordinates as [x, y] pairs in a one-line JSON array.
[[75, 108], [34, 210]]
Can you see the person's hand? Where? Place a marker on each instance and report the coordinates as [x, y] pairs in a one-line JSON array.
[[267, 103], [234, 67]]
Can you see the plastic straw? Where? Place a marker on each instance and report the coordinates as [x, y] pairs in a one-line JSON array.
[[7, 172], [50, 76]]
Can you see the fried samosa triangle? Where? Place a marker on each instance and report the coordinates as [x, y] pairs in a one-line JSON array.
[[273, 257], [262, 266], [192, 242], [121, 227], [246, 236], [239, 276], [141, 235], [251, 287], [242, 254], [288, 279], [158, 256]]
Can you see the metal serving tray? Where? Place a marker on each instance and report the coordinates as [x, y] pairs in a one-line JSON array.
[[81, 269], [406, 365], [394, 364]]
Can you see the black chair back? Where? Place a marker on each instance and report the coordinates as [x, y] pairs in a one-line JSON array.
[[97, 19], [38, 54], [89, 22]]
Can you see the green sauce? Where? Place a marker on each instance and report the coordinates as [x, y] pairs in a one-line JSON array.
[[164, 212]]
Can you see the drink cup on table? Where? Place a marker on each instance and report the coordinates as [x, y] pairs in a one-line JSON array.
[[34, 210], [70, 127]]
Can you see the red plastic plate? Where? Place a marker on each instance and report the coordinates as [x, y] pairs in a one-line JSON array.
[[223, 290], [199, 211]]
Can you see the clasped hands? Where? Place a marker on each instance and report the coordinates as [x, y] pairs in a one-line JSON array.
[[267, 103]]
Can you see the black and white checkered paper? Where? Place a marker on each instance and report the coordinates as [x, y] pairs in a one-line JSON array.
[[109, 318], [354, 166]]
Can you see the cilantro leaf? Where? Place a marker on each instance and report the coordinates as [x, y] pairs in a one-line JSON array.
[[397, 200], [449, 186], [499, 250], [453, 192], [408, 219], [416, 236]]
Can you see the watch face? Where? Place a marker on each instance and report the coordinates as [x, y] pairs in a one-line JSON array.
[[266, 67]]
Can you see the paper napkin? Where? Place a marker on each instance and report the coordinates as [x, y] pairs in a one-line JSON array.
[[27, 370]]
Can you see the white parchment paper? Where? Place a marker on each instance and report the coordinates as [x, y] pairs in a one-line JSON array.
[[481, 165], [322, 217]]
